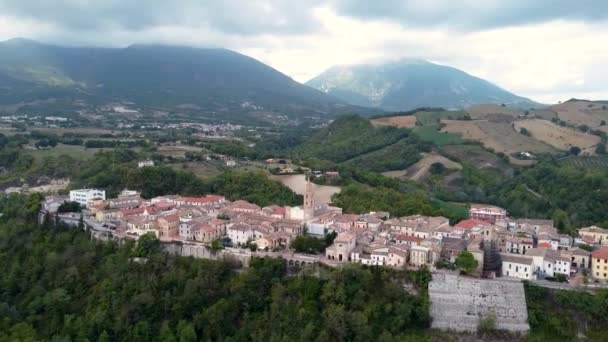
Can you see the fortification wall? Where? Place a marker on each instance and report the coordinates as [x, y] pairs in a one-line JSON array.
[[458, 303]]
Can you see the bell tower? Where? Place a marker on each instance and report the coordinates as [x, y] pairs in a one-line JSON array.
[[309, 204]]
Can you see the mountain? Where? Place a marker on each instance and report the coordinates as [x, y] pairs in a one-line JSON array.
[[154, 76], [409, 84]]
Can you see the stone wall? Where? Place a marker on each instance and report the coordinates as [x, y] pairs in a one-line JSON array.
[[203, 252], [458, 303]]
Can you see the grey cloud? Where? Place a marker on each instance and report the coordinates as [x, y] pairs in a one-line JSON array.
[[473, 15], [227, 16]]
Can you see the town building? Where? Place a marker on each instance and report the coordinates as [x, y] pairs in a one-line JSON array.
[[594, 233], [517, 266], [84, 196], [343, 245], [599, 263], [145, 163], [487, 213]]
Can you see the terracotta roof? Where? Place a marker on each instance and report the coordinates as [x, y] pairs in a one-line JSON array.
[[164, 205], [206, 199], [404, 237], [471, 223], [601, 253], [544, 245], [594, 229], [279, 211], [170, 218], [344, 237], [134, 211]]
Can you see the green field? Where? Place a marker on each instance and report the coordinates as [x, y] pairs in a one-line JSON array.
[[425, 118], [430, 133], [586, 162], [74, 151]]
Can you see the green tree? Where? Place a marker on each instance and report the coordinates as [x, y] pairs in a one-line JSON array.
[[437, 168], [147, 245], [308, 244], [185, 332], [575, 150], [466, 262]]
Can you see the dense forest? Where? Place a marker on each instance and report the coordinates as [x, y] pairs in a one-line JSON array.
[[573, 197], [558, 315], [57, 284], [350, 137]]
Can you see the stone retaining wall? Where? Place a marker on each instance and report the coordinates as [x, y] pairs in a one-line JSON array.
[[458, 303]]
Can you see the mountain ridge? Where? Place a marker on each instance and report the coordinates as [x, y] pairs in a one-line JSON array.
[[409, 83], [156, 75]]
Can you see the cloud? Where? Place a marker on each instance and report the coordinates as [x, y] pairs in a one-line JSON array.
[[227, 16], [473, 15]]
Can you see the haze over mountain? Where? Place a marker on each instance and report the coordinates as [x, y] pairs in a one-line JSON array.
[[154, 76], [411, 83]]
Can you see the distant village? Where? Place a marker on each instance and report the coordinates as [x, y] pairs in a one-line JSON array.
[[527, 249]]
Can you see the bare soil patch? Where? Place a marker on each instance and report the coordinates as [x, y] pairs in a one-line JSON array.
[[406, 121], [581, 113], [500, 137], [557, 136], [491, 111], [421, 168]]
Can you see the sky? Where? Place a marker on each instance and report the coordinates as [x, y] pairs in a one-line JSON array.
[[548, 50]]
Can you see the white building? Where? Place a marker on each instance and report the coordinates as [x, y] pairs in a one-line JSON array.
[[145, 163], [240, 233], [517, 266], [83, 196]]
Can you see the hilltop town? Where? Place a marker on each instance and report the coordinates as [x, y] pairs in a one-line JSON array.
[[527, 249]]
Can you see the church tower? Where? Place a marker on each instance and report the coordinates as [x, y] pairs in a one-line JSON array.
[[309, 204]]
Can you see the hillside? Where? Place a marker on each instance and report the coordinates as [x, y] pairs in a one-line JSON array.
[[354, 141], [411, 83], [154, 76]]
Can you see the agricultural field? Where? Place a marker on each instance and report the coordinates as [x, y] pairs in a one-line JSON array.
[[493, 112], [545, 114], [77, 130], [177, 150], [500, 137], [405, 121], [421, 168], [557, 136], [581, 113], [424, 118], [432, 134], [586, 162], [473, 154], [205, 169], [74, 151]]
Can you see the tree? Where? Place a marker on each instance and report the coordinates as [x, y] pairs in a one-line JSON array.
[[217, 244], [575, 150], [601, 148], [466, 262], [185, 332], [147, 245], [308, 244], [524, 131], [69, 207], [329, 238], [437, 168]]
